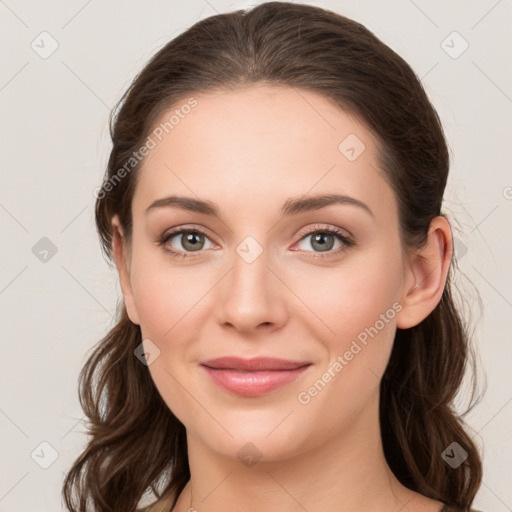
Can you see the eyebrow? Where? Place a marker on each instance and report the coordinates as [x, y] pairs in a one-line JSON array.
[[291, 206]]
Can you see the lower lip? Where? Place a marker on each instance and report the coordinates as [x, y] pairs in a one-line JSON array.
[[255, 383]]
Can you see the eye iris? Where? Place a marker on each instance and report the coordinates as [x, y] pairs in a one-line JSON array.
[[320, 238], [191, 238]]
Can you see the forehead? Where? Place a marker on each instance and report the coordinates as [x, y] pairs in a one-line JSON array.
[[260, 143]]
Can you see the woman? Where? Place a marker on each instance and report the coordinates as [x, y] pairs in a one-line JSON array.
[[288, 338]]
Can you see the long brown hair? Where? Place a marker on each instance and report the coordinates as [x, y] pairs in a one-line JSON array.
[[137, 445]]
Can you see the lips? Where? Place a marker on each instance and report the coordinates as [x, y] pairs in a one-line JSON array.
[[254, 364], [253, 377]]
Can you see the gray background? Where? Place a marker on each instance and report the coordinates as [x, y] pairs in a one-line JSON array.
[[54, 108]]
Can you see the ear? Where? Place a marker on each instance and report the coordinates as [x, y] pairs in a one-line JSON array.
[[123, 268], [426, 275]]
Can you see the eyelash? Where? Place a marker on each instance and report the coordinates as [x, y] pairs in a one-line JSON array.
[[347, 242]]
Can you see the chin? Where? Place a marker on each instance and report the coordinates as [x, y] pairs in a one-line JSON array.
[[270, 440]]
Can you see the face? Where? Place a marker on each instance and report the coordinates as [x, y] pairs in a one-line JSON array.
[[318, 285]]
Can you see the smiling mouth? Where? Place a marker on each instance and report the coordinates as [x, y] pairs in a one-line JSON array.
[[253, 377], [254, 364]]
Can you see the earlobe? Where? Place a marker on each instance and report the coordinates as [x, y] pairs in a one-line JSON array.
[[426, 275], [120, 258]]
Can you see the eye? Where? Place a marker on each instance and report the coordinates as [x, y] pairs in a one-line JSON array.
[[183, 242], [323, 239], [190, 240]]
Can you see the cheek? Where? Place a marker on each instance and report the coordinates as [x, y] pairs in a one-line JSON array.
[[168, 302], [355, 308], [360, 307], [166, 296], [352, 297]]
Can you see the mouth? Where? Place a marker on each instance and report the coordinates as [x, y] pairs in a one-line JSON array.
[[253, 377], [254, 364]]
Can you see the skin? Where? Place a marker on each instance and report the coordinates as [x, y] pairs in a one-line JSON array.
[[248, 151]]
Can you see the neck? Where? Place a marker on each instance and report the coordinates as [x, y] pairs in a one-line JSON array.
[[346, 473]]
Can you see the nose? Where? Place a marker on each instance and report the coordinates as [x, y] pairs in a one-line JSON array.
[[251, 296]]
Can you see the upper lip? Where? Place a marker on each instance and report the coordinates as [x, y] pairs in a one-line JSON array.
[[254, 364]]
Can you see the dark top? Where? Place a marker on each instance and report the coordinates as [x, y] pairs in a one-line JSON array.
[[445, 509]]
